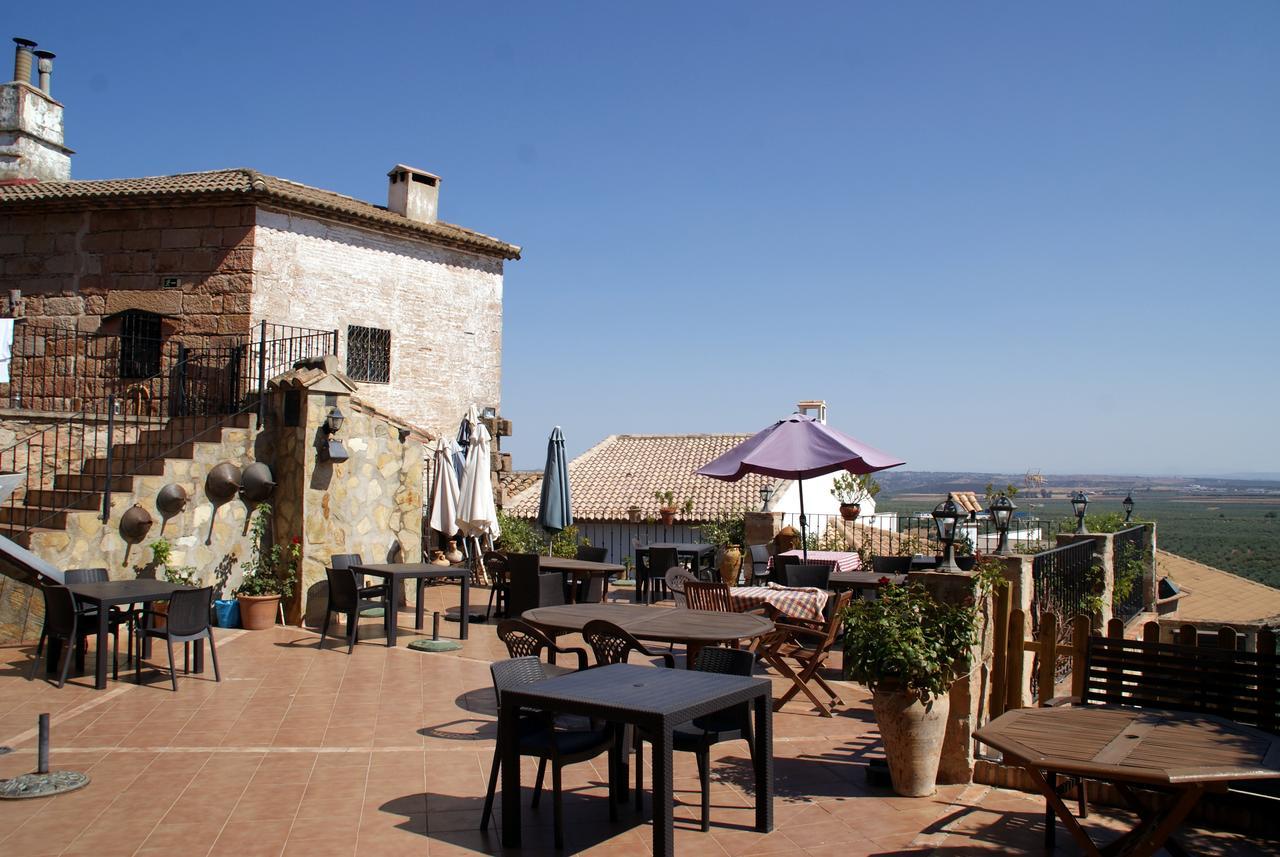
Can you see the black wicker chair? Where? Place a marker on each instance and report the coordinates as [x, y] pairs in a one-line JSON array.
[[116, 619], [529, 587], [64, 623], [186, 621], [759, 564], [818, 576], [540, 738], [495, 563], [344, 561], [345, 598], [651, 573], [698, 736], [780, 562], [591, 554], [614, 645]]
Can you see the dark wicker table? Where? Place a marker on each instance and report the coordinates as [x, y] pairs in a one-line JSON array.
[[693, 628], [114, 593], [421, 572], [696, 552], [579, 569], [652, 699]]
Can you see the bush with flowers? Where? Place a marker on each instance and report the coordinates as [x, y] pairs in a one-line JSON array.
[[271, 568]]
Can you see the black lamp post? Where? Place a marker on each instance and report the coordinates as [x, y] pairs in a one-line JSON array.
[[1002, 513], [1079, 502], [766, 492], [1128, 507], [947, 517]]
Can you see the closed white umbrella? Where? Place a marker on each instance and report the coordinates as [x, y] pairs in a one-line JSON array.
[[477, 514], [444, 492]]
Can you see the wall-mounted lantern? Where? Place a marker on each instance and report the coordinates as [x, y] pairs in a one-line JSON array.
[[329, 448], [766, 492], [1128, 507], [1080, 502], [1002, 513], [946, 517]]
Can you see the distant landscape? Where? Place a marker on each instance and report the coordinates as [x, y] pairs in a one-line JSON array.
[[1228, 523]]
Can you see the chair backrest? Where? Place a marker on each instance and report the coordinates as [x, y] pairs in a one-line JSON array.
[[343, 594], [59, 610], [806, 575], [708, 596], [522, 639], [759, 555], [890, 564], [516, 672], [343, 561], [719, 659], [495, 562], [591, 554], [661, 559], [833, 612], [609, 643], [85, 575], [189, 611], [780, 562], [677, 579]]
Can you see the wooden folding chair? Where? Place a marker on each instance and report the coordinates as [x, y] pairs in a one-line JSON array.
[[708, 596], [807, 644]]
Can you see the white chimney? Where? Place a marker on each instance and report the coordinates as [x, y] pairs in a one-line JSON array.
[[413, 193], [31, 135], [817, 406]]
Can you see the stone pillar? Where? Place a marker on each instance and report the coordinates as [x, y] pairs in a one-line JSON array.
[[1017, 570], [967, 692], [761, 527]]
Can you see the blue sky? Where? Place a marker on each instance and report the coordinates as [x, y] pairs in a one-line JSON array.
[[993, 236]]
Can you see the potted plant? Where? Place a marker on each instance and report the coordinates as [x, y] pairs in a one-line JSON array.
[[727, 532], [667, 507], [852, 490], [183, 575], [634, 515], [268, 573], [908, 649]]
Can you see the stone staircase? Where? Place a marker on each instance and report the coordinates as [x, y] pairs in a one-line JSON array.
[[151, 453]]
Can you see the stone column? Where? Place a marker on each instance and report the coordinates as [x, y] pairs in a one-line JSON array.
[[1017, 570], [761, 527]]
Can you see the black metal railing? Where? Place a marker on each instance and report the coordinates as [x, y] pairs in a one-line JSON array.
[[1062, 580], [900, 534], [1128, 551]]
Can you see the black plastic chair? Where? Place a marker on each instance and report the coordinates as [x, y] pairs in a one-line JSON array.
[[63, 622], [698, 736], [614, 645], [345, 598], [344, 561], [759, 564], [118, 617], [651, 573], [529, 587], [780, 562], [495, 563], [891, 564], [818, 576], [540, 739], [186, 621], [524, 640], [591, 554]]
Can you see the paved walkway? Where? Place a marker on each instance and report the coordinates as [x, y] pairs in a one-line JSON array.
[[303, 752]]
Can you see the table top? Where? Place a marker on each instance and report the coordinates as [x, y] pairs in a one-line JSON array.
[[124, 591], [559, 563], [681, 547], [1135, 745], [630, 691], [413, 569], [802, 602], [661, 624], [863, 578]]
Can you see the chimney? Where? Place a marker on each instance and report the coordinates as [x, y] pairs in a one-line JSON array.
[[818, 406], [22, 59], [46, 69], [413, 193], [31, 136]]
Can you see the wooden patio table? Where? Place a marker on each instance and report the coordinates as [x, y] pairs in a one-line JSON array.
[[693, 628], [1181, 753]]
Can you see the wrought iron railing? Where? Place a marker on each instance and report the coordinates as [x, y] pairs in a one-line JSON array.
[[1062, 580], [1128, 549], [898, 534]]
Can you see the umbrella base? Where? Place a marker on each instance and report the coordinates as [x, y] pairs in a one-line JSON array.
[[428, 645]]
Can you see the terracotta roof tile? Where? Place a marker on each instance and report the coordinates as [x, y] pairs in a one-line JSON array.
[[255, 186], [625, 470], [1216, 595]]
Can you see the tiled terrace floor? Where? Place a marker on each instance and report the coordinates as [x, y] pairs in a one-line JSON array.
[[303, 752]]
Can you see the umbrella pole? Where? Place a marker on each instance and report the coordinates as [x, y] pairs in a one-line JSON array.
[[804, 525]]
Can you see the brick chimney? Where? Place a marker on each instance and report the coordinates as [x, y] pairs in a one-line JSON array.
[[31, 137], [413, 193]]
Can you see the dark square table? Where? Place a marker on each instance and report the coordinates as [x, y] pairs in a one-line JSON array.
[[421, 572], [114, 593], [649, 698]]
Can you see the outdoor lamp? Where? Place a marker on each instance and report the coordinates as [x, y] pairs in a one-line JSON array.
[[333, 421], [766, 491], [1079, 502], [489, 413], [328, 448], [1002, 513], [947, 517], [1128, 507]]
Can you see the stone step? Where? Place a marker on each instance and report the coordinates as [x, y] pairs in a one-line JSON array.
[[63, 499], [99, 466], [34, 516], [92, 482], [129, 452]]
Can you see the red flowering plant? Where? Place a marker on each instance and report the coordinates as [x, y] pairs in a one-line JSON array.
[[270, 569]]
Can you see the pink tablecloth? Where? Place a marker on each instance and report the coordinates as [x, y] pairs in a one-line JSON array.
[[838, 560], [800, 603]]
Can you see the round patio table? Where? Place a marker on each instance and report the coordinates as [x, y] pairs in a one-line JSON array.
[[693, 628]]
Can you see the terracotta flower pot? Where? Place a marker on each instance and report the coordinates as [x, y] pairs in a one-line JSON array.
[[912, 733], [667, 516], [258, 612], [850, 511], [730, 564]]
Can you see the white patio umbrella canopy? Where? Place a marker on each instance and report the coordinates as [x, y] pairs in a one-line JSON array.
[[477, 515], [445, 492]]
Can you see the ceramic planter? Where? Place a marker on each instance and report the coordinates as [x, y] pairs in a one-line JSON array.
[[258, 612], [912, 732], [667, 516], [730, 564], [850, 511]]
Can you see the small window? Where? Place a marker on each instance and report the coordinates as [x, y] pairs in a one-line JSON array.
[[139, 344], [369, 354]]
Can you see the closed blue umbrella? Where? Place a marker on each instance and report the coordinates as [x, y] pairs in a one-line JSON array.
[[555, 510]]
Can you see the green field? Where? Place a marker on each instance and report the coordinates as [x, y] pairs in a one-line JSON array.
[[1238, 535]]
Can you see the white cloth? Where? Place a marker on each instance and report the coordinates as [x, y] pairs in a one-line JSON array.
[[477, 514], [444, 493], [6, 348]]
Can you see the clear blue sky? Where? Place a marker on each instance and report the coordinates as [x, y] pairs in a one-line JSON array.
[[1056, 224]]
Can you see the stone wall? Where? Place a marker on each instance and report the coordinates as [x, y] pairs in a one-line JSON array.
[[443, 308]]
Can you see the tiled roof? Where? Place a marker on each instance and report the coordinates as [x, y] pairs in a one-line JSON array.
[[254, 187], [1214, 595], [626, 469], [509, 484]]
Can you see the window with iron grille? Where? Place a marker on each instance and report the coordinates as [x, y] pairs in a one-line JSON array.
[[139, 344], [368, 354]]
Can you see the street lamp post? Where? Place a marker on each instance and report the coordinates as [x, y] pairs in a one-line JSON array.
[[1080, 502], [1002, 513], [1128, 507], [946, 517]]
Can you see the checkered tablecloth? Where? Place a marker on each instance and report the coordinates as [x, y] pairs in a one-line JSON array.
[[838, 560], [800, 603]]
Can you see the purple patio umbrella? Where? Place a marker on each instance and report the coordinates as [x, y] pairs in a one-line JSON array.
[[798, 447]]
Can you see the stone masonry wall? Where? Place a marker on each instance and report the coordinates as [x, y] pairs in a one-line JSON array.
[[443, 308]]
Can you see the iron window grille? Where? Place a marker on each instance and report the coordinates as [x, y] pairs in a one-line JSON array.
[[368, 354], [139, 344]]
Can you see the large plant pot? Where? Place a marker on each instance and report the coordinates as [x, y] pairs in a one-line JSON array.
[[730, 565], [258, 612], [912, 733], [667, 516]]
